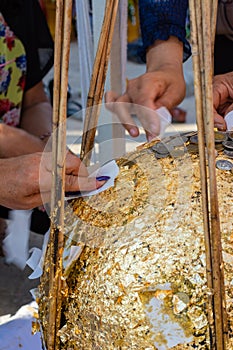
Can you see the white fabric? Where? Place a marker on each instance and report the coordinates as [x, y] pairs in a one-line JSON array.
[[85, 46], [16, 332], [15, 244]]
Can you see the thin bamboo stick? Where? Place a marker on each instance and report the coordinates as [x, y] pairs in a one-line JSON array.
[[52, 241], [96, 90], [214, 11], [214, 209], [200, 14], [62, 48], [196, 47]]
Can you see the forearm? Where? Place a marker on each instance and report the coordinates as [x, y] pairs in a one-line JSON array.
[[164, 55], [15, 142], [37, 119]]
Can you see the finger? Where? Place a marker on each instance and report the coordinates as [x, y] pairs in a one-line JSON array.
[[170, 98], [122, 108], [219, 122], [74, 165], [150, 121], [110, 96], [77, 183]]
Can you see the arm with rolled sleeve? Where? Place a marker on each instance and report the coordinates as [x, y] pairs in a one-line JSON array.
[[163, 34]]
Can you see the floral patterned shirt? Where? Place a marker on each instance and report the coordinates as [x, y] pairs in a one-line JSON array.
[[26, 54], [13, 66]]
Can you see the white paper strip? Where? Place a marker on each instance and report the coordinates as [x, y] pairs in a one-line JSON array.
[[36, 260], [110, 169], [165, 119], [15, 244]]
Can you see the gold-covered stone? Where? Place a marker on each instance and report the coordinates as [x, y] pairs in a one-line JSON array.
[[140, 280]]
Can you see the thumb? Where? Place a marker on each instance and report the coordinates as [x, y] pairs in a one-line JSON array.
[[219, 121], [110, 96]]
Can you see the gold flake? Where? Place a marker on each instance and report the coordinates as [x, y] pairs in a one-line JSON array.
[[142, 241]]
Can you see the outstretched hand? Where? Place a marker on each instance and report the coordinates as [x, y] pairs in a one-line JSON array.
[[151, 90], [163, 84]]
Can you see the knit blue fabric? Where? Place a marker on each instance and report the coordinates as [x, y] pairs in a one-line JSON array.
[[160, 19]]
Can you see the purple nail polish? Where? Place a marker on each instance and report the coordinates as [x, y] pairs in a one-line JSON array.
[[102, 178]]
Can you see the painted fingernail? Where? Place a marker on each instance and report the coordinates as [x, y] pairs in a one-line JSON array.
[[103, 178]]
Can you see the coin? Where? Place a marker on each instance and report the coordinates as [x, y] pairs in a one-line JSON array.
[[230, 135], [194, 139], [223, 164], [228, 144], [161, 155], [192, 148], [219, 136], [188, 134], [228, 153], [177, 152], [177, 142], [219, 147], [160, 148]]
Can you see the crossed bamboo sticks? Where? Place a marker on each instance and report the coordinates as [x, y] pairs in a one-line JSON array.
[[96, 90], [202, 46], [61, 63], [56, 241], [203, 27]]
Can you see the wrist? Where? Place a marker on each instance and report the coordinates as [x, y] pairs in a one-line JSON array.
[[165, 54]]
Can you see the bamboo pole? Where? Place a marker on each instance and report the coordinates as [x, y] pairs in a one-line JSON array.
[[214, 211], [96, 89], [62, 48], [202, 62], [196, 46], [214, 11], [218, 273]]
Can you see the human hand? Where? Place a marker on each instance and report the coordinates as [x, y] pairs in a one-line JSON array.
[[151, 90], [222, 98], [162, 85], [25, 180]]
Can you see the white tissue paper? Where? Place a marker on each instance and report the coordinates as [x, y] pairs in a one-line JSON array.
[[15, 245], [36, 260], [16, 332], [109, 169], [229, 121], [165, 120]]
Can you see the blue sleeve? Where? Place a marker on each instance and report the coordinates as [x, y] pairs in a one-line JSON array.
[[160, 19]]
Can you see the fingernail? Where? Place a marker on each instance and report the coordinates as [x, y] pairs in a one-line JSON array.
[[133, 132], [102, 178], [72, 193]]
